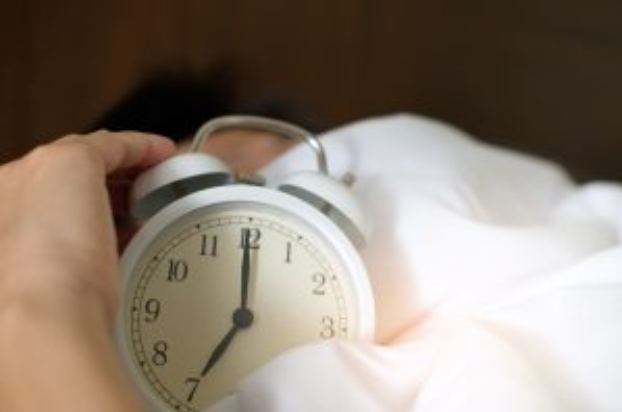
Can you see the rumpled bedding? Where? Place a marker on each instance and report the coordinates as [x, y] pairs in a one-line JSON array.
[[497, 281]]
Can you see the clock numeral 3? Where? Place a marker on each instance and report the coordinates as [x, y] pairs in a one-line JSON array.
[[160, 357], [328, 328], [177, 270]]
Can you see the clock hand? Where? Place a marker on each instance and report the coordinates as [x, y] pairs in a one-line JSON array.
[[246, 269], [242, 319], [220, 349]]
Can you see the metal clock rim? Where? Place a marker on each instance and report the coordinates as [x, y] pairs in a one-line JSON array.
[[364, 302]]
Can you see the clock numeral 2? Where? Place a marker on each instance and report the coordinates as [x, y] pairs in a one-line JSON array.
[[250, 237], [177, 270], [319, 279]]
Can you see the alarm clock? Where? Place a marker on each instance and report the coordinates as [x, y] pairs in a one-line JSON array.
[[226, 274]]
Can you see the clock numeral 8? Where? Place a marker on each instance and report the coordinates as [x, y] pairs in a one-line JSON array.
[[160, 357], [177, 270]]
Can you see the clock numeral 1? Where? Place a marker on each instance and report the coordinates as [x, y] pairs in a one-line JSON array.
[[160, 357], [209, 246], [193, 383], [250, 236], [177, 270], [328, 328], [288, 252]]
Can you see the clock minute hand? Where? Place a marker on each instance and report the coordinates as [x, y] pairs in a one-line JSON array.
[[246, 270]]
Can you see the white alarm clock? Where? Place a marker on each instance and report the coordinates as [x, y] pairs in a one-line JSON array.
[[226, 275]]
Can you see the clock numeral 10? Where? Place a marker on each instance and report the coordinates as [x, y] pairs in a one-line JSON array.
[[177, 270], [250, 237]]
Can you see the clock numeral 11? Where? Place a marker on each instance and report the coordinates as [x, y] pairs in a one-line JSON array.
[[209, 245]]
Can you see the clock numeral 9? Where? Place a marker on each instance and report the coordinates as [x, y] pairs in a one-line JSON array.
[[152, 310], [252, 236], [319, 279], [177, 270], [328, 328], [160, 357]]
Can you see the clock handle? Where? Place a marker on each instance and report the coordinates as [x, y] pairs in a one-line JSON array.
[[262, 124]]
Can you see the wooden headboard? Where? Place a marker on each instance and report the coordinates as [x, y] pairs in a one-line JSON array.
[[544, 77]]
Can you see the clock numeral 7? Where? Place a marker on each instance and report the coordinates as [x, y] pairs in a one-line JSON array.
[[251, 235], [193, 383], [177, 270]]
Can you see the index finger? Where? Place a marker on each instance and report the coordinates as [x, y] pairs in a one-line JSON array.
[[120, 150]]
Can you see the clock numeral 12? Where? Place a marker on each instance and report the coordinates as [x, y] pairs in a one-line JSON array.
[[250, 237]]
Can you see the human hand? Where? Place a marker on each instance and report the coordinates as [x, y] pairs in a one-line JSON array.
[[59, 272], [56, 229]]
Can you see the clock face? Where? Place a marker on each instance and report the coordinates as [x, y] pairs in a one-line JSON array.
[[220, 291]]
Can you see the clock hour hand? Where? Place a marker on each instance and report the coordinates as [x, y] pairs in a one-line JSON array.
[[242, 319], [220, 350]]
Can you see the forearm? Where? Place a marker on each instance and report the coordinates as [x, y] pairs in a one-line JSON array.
[[56, 361]]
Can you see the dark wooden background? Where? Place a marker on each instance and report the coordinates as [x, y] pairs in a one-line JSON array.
[[544, 76]]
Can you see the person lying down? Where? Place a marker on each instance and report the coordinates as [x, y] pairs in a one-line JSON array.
[[497, 283]]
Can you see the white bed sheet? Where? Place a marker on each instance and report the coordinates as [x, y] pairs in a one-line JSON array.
[[498, 283]]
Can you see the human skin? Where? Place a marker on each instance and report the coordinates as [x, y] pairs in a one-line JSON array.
[[59, 273], [59, 277]]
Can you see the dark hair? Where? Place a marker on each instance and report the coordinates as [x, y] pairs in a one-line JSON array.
[[176, 103]]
